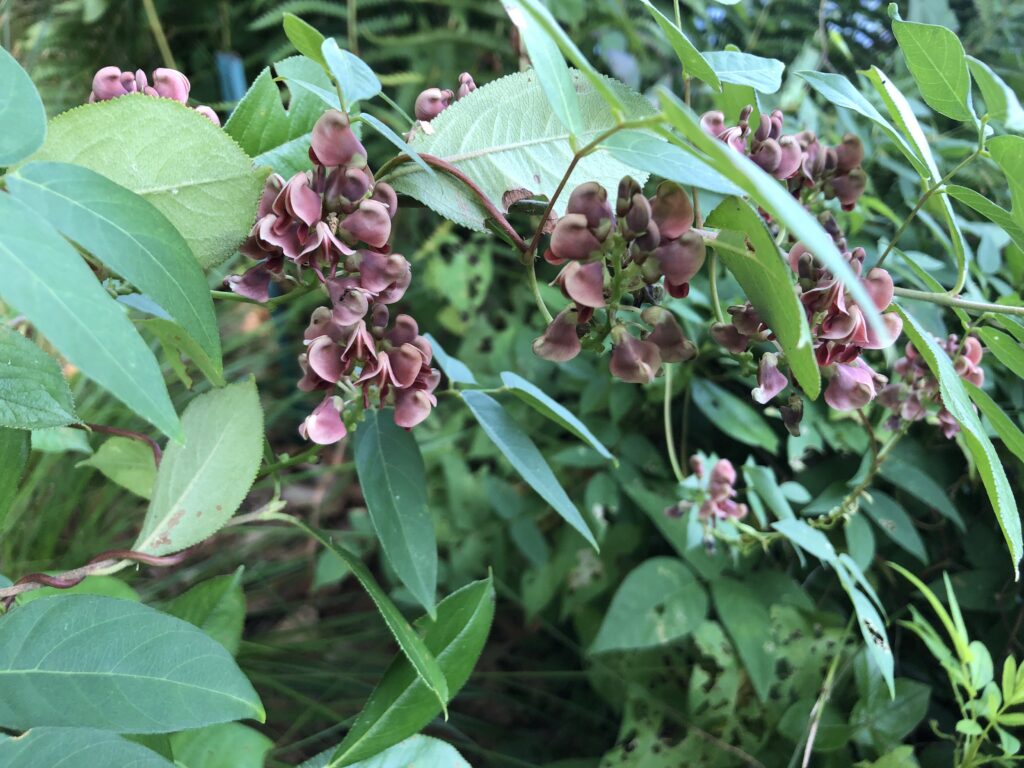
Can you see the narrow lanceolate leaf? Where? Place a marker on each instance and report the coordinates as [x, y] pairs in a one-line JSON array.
[[736, 417], [96, 662], [33, 392], [201, 483], [522, 454], [49, 747], [744, 614], [399, 143], [45, 279], [761, 74], [419, 656], [510, 151], [901, 111], [1001, 103], [216, 606], [305, 37], [270, 134], [658, 602], [22, 117], [694, 64], [1004, 426], [129, 463], [773, 197], [401, 705], [394, 484], [650, 153], [128, 234], [749, 252], [548, 62], [550, 408], [957, 402], [187, 167], [14, 449], [356, 80], [991, 211], [936, 59], [894, 521]]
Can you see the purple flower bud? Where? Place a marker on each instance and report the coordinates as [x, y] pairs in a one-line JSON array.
[[324, 426], [633, 360], [209, 114], [334, 143], [849, 154], [385, 195], [377, 271], [628, 187], [253, 284], [559, 341], [583, 283], [345, 188], [672, 344], [723, 473], [171, 84], [767, 156], [466, 85], [726, 335], [107, 84], [572, 239], [671, 210], [770, 380], [789, 159], [591, 200], [852, 386], [792, 414], [431, 103], [681, 259], [638, 217], [412, 406], [713, 123], [370, 223]]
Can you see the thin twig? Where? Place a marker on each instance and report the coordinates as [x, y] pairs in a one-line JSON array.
[[154, 446], [670, 441], [945, 300]]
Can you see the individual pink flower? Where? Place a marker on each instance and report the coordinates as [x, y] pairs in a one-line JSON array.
[[852, 386], [324, 425], [559, 342], [770, 380], [633, 360]]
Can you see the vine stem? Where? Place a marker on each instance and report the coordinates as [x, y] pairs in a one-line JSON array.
[[945, 300], [716, 303], [931, 190], [531, 278], [670, 441], [294, 293], [68, 579], [291, 461], [154, 446], [158, 34]]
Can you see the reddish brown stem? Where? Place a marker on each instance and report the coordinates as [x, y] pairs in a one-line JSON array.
[[154, 446]]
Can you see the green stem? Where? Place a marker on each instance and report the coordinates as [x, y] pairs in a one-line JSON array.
[[291, 461], [531, 278], [158, 34], [353, 29], [302, 290], [936, 187], [670, 442], [716, 303], [945, 300]]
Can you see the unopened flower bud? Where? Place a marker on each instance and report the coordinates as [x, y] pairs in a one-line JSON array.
[[334, 143], [431, 103], [792, 414], [628, 187], [572, 239], [171, 84], [668, 336], [591, 200], [849, 154], [466, 85], [671, 210], [713, 123]]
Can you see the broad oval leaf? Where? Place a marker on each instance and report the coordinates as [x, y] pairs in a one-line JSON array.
[[33, 392], [652, 154], [547, 406], [129, 463], [507, 151], [46, 280], [271, 134], [227, 745], [394, 484], [761, 74], [522, 454], [769, 283], [401, 704], [91, 748], [936, 59], [96, 662], [773, 197], [191, 170], [200, 484], [548, 62], [128, 234], [957, 402], [659, 601], [809, 539], [22, 117], [734, 416], [894, 521], [356, 80], [693, 62], [216, 606]]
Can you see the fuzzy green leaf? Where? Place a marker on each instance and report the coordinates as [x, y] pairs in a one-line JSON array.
[[33, 392], [127, 462], [91, 748]]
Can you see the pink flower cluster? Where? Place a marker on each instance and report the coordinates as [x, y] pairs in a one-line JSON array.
[[632, 247], [798, 159], [336, 220], [111, 82], [838, 329], [915, 392], [433, 101], [717, 502]]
